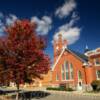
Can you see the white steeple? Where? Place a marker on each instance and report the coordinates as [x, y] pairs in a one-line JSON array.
[[86, 47]]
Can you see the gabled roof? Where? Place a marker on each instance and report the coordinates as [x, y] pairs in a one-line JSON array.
[[80, 56]]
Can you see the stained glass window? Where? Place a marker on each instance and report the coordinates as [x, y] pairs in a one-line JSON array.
[[66, 70], [71, 71], [62, 71]]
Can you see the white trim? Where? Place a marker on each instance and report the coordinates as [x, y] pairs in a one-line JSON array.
[[78, 72], [93, 52], [85, 64], [97, 75], [58, 58], [95, 62], [79, 87], [57, 77], [66, 69], [71, 70], [62, 72]]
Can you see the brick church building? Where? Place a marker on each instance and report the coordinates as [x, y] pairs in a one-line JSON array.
[[73, 68]]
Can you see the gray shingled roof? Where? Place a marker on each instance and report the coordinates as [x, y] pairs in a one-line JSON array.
[[80, 55]]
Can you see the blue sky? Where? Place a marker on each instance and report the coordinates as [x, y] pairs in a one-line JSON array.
[[78, 20]]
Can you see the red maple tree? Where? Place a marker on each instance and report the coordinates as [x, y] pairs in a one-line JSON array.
[[22, 56]]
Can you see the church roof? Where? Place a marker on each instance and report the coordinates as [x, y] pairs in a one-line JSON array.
[[80, 55]]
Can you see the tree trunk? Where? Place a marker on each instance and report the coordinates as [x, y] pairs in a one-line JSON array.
[[17, 94]]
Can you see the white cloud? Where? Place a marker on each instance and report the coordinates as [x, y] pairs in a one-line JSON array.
[[43, 25], [1, 23], [71, 35], [66, 8], [71, 23], [75, 15], [2, 28], [69, 31], [6, 21], [1, 15], [11, 19]]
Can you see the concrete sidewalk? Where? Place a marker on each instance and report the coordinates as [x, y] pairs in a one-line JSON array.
[[58, 92], [74, 93]]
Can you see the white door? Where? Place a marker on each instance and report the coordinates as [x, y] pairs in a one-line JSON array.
[[79, 84]]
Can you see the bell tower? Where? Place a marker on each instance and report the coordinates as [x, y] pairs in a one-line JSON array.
[[58, 46]]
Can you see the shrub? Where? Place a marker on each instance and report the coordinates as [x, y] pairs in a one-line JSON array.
[[96, 85], [62, 86], [52, 88], [69, 89], [60, 89], [56, 88]]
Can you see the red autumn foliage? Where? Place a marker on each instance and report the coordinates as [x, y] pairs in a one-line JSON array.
[[22, 54]]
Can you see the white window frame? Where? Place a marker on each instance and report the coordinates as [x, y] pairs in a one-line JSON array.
[[97, 75], [62, 72], [95, 62], [57, 77], [71, 70], [79, 73], [66, 71]]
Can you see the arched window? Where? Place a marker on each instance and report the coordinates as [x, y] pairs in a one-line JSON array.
[[63, 73], [71, 71], [57, 77], [79, 75], [66, 69]]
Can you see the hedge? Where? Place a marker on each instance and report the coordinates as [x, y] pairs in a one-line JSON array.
[[96, 85], [59, 89]]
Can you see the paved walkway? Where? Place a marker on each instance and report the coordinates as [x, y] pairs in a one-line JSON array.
[[61, 95], [70, 96]]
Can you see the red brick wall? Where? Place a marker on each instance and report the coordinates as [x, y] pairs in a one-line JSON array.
[[91, 71], [88, 72], [77, 65]]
